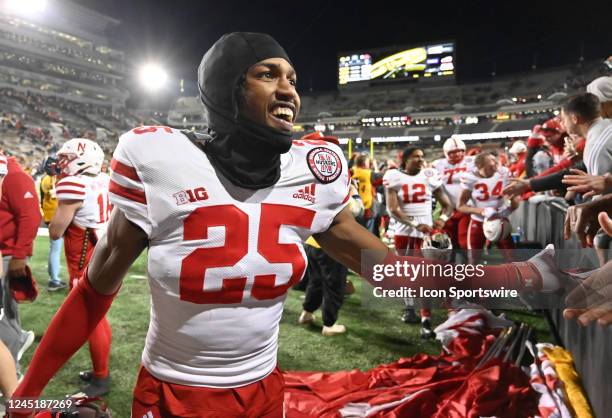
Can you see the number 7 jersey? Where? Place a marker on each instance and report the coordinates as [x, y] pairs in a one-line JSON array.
[[221, 258]]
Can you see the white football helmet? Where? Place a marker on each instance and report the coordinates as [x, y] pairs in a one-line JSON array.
[[453, 144], [518, 147], [496, 229], [79, 156], [438, 240]]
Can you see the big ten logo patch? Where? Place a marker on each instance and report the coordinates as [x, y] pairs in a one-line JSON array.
[[190, 196]]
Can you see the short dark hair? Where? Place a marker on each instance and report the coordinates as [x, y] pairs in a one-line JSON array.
[[480, 158], [407, 153], [584, 105], [361, 160]]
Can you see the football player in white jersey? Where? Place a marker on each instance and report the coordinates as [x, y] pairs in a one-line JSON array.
[[409, 201], [450, 168], [81, 217], [483, 186], [225, 236]]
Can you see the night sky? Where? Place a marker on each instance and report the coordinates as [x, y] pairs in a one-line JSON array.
[[491, 35]]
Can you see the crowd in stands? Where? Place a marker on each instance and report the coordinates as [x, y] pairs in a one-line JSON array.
[[33, 126], [81, 54], [523, 88]]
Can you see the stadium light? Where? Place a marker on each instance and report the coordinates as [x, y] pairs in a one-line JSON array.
[[26, 7], [152, 77]]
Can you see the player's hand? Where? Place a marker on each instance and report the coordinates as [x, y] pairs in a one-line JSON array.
[[424, 228], [553, 279], [586, 184], [569, 148], [592, 299], [516, 187], [605, 222], [581, 219], [489, 213], [17, 267], [439, 224]]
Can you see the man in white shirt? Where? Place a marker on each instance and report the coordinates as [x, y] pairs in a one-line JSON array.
[[581, 115]]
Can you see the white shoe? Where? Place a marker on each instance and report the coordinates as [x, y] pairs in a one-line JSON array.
[[333, 330], [29, 340], [306, 318]]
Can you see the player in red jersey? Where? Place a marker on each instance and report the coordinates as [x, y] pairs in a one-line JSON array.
[[410, 193], [225, 242], [483, 186], [450, 169], [81, 218]]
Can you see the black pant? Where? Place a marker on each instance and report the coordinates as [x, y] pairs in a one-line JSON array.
[[326, 283]]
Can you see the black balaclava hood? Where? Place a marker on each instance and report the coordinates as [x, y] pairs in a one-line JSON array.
[[246, 152]]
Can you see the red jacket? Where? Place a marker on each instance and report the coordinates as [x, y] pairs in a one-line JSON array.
[[19, 212], [518, 168]]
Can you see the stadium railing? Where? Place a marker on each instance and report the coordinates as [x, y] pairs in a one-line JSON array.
[[542, 218]]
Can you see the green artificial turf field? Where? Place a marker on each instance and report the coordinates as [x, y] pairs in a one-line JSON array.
[[374, 336]]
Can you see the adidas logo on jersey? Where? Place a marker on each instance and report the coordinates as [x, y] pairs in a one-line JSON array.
[[307, 193], [190, 196]]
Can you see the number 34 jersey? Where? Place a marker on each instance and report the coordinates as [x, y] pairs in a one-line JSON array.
[[221, 258], [486, 192]]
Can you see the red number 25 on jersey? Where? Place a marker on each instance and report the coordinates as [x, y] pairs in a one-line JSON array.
[[236, 224]]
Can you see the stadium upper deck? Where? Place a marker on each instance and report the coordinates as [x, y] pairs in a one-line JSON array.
[[507, 104], [63, 52]]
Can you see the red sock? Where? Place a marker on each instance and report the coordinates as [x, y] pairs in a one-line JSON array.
[[99, 348]]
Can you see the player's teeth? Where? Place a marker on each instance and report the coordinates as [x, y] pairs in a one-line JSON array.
[[283, 111]]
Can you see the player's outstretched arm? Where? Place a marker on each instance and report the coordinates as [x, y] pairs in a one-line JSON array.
[[85, 306], [346, 240]]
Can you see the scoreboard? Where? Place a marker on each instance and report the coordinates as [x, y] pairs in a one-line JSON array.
[[433, 61]]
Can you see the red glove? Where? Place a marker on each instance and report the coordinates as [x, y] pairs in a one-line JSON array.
[[518, 275], [24, 288]]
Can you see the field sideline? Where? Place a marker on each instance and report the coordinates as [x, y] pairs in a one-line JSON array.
[[373, 337]]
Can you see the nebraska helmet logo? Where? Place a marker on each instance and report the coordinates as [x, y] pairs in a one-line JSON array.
[[325, 164]]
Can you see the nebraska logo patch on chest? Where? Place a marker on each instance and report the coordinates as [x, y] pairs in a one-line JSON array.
[[325, 164]]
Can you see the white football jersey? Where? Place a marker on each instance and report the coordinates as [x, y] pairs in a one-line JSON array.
[[451, 175], [486, 192], [93, 192], [3, 165], [221, 258], [415, 197]]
